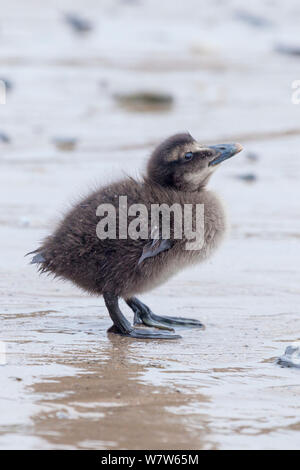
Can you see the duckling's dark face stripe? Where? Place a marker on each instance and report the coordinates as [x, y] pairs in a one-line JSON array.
[[188, 152]]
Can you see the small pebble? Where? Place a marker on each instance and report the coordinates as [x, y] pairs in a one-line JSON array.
[[4, 138], [66, 144], [247, 177], [252, 156], [291, 357], [145, 101], [252, 19], [288, 49], [79, 24]]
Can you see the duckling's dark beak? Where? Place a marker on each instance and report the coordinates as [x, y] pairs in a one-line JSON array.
[[223, 152]]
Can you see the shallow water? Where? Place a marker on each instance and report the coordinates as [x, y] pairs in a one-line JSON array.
[[65, 382]]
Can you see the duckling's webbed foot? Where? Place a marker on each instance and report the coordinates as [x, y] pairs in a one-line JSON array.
[[143, 314], [122, 326]]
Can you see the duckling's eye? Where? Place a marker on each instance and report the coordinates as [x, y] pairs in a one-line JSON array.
[[188, 156]]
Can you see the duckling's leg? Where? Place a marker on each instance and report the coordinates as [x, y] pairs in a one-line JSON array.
[[143, 314], [122, 326]]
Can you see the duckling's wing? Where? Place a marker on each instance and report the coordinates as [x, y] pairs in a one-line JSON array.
[[154, 247]]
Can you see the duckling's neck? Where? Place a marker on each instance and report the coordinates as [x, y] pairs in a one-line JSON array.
[[187, 186]]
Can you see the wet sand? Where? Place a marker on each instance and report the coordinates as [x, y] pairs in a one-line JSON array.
[[67, 383]]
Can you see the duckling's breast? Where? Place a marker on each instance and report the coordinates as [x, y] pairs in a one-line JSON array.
[[210, 231], [215, 223]]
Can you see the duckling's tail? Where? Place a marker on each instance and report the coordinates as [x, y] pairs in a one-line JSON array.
[[38, 258]]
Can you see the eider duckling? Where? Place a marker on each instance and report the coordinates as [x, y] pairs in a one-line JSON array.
[[124, 266]]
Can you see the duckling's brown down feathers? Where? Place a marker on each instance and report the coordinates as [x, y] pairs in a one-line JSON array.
[[75, 252]]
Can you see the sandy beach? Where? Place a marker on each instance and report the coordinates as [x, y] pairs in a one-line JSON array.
[[66, 383]]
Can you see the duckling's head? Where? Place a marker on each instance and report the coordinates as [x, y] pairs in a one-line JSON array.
[[184, 164]]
